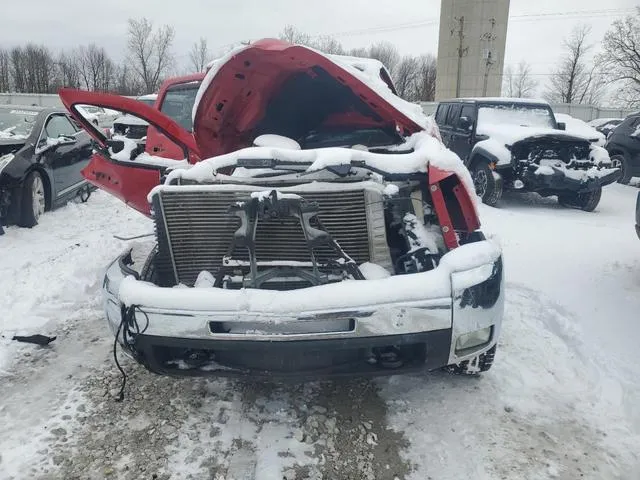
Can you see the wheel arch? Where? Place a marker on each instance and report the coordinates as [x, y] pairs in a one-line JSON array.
[[480, 154]]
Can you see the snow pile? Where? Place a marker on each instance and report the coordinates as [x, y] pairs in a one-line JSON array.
[[636, 132], [419, 236], [130, 146], [8, 133], [579, 128], [495, 148], [373, 271], [427, 151], [270, 140], [599, 155], [264, 194]]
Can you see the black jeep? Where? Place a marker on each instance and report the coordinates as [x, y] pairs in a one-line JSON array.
[[517, 144], [624, 147]]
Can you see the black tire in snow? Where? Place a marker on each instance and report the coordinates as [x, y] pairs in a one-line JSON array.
[[620, 161], [476, 365], [33, 200], [583, 201], [485, 183]]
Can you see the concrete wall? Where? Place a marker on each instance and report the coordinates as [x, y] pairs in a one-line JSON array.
[[39, 99], [484, 33]]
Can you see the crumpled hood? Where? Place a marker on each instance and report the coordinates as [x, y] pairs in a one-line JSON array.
[[510, 134], [273, 87]]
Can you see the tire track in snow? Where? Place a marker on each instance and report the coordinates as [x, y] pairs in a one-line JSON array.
[[542, 411]]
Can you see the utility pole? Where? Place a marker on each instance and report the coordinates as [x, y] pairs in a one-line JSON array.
[[489, 37], [461, 51]]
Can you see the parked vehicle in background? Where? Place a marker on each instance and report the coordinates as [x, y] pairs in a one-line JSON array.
[[130, 126], [581, 128], [638, 215], [381, 240], [42, 154], [606, 125], [100, 117], [624, 147], [511, 143]]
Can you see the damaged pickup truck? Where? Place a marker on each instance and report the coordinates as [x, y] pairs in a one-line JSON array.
[[517, 144], [316, 226]]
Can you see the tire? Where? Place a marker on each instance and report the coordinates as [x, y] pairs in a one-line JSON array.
[[33, 198], [475, 366], [620, 161], [583, 201], [485, 183]]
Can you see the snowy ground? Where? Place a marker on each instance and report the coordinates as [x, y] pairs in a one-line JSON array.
[[562, 401]]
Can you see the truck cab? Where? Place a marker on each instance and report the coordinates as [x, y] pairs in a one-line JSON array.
[[175, 99]]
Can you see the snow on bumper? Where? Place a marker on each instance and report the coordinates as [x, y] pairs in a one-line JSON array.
[[463, 295], [554, 177]]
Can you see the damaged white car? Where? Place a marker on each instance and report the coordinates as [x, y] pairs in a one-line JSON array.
[[318, 227]]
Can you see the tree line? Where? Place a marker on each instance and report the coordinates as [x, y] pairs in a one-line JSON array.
[[149, 60], [580, 75]]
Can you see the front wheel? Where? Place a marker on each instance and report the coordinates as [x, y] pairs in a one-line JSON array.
[[33, 198], [619, 161], [487, 186], [584, 201], [474, 366]]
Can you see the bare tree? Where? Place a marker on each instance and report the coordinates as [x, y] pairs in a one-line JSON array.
[[406, 76], [150, 51], [5, 76], [199, 56], [359, 52], [292, 35], [425, 89], [96, 68], [519, 82], [69, 69], [328, 44], [33, 69], [575, 80], [387, 53], [621, 58], [126, 81]]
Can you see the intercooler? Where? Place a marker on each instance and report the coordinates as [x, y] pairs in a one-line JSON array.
[[195, 230]]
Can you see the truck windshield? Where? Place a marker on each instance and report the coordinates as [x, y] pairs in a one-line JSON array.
[[178, 103], [516, 114]]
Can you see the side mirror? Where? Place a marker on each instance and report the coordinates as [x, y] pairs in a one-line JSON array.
[[465, 123], [66, 140], [562, 126]]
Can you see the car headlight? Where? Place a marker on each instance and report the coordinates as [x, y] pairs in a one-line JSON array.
[[473, 339]]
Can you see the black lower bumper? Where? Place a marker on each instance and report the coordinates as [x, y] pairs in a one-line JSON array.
[[303, 359], [560, 182]]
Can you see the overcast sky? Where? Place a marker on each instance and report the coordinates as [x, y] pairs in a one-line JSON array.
[[413, 24]]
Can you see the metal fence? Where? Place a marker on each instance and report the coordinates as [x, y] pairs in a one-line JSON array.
[[583, 112]]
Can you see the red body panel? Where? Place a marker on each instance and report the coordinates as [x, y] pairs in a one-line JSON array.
[[157, 143], [235, 102]]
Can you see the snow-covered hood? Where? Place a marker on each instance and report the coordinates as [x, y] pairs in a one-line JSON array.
[[273, 87], [510, 134], [130, 120]]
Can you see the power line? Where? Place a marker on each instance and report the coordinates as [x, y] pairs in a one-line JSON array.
[[522, 17]]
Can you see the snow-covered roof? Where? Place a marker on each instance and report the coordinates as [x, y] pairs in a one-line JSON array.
[[527, 101]]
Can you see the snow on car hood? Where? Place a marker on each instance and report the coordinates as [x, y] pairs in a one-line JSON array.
[[423, 149], [273, 87], [577, 127], [130, 120], [510, 134]]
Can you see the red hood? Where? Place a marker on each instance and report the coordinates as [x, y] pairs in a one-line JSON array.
[[274, 87]]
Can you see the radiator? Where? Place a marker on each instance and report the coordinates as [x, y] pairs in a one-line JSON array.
[[195, 231]]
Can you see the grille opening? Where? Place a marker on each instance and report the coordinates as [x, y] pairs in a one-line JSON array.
[[195, 233]]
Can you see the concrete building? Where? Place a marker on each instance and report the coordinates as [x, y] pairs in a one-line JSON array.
[[471, 48]]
